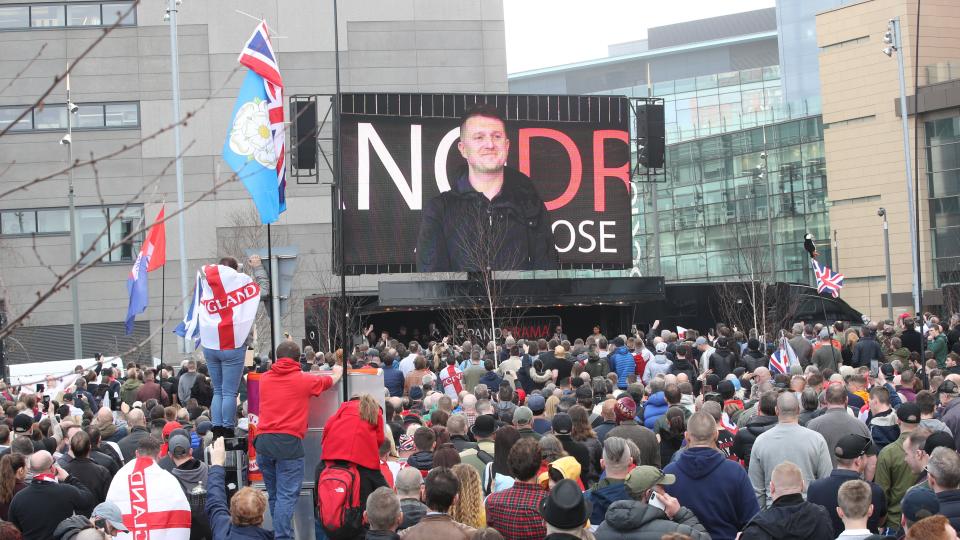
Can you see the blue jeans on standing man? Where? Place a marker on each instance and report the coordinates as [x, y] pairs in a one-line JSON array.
[[226, 369], [283, 478]]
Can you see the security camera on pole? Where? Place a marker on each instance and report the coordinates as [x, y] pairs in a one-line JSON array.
[[67, 141], [891, 38]]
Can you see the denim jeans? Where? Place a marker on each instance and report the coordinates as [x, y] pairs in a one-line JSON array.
[[283, 478], [226, 368]]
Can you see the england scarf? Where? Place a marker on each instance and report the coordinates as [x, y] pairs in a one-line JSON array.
[[223, 309], [153, 505]]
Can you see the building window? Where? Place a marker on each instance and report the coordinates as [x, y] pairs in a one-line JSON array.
[[60, 15], [14, 17], [120, 115], [46, 16], [83, 15], [91, 228]]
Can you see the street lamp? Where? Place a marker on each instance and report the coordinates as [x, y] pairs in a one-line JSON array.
[[891, 38], [882, 212], [170, 16]]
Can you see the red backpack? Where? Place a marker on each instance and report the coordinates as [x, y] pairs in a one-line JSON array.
[[338, 500]]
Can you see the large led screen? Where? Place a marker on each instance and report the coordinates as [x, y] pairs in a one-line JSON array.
[[469, 182]]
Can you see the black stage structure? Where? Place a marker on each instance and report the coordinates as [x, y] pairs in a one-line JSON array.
[[615, 304]]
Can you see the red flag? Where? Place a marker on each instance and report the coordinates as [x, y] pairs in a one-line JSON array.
[[155, 247]]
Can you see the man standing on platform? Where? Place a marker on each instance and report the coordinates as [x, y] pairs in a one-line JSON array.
[[285, 392]]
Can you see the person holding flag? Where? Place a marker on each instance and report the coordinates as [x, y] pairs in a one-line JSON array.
[[783, 357], [153, 255], [221, 316]]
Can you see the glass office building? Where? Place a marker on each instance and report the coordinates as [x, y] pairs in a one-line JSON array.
[[721, 204], [943, 183]]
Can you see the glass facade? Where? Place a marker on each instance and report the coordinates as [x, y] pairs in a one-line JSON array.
[[722, 202], [943, 184], [723, 102]]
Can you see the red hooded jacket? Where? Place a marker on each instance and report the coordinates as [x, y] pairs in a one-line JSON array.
[[285, 393], [349, 438]]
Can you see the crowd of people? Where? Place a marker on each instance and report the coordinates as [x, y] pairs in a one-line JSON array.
[[651, 435]]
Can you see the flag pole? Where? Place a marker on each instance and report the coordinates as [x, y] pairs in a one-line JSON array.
[[823, 305], [163, 304], [273, 294], [342, 326]]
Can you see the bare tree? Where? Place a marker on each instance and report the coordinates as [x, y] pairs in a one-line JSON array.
[[486, 294]]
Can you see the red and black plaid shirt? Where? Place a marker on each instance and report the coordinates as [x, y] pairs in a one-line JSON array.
[[514, 512]]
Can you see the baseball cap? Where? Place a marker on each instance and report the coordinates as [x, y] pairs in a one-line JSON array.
[[522, 416], [824, 333], [412, 419], [373, 352], [626, 408], [909, 413], [22, 423], [536, 403], [179, 446], [700, 341], [887, 370], [938, 439], [853, 446], [918, 504], [949, 388], [416, 393], [136, 405], [645, 477], [661, 347], [713, 380], [204, 427], [584, 392], [562, 424], [110, 512]]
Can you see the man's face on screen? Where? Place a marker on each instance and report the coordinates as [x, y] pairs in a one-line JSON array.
[[484, 144]]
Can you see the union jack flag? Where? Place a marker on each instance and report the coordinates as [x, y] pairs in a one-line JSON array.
[[258, 55], [827, 280], [779, 363]]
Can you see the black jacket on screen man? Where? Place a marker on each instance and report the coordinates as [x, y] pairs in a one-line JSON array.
[[461, 227]]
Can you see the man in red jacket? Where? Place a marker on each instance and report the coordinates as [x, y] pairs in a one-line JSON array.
[[285, 392]]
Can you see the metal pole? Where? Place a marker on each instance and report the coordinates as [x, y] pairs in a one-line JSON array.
[[342, 327], [657, 269], [911, 200], [74, 243], [836, 252], [274, 293], [886, 255], [175, 81], [163, 305]]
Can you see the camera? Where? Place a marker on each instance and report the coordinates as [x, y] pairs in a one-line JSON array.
[[66, 139], [881, 211], [72, 107]]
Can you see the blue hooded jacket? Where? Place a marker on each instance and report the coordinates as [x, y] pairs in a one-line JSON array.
[[654, 408], [625, 365], [393, 380], [603, 497], [716, 489]]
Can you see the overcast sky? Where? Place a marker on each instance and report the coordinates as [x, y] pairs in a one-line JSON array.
[[543, 33]]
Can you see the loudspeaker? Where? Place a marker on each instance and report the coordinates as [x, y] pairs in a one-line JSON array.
[[651, 135], [303, 134]]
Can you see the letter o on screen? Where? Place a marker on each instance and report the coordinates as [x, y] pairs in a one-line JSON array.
[[573, 236]]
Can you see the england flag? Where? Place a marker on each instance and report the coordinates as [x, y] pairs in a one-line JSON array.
[[151, 501], [223, 309]]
